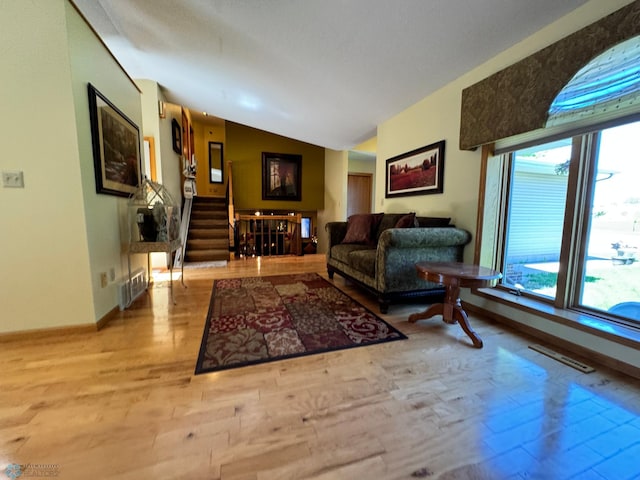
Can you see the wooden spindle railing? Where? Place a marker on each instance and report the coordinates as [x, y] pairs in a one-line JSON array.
[[231, 216]]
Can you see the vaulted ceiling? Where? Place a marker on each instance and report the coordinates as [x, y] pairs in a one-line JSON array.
[[325, 72]]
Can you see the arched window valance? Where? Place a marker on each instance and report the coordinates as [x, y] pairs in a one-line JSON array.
[[517, 99], [611, 81]]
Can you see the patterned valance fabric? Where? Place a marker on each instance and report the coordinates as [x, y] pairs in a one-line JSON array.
[[611, 81], [517, 99]]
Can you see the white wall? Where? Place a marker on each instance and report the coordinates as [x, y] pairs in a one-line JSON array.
[[437, 117], [57, 233], [45, 272], [168, 163], [433, 119], [336, 165], [104, 215], [151, 117], [171, 161], [359, 164]]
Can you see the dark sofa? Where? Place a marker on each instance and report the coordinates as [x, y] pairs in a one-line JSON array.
[[379, 251]]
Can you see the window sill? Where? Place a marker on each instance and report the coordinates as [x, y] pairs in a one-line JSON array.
[[612, 331]]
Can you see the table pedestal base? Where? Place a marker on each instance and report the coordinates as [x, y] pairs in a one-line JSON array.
[[452, 312]]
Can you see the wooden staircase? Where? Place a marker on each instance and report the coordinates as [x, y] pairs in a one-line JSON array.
[[208, 237]]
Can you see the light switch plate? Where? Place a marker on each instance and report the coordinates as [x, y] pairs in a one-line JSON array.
[[13, 179]]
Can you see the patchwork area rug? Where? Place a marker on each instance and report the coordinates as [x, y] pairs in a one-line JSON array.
[[261, 319]]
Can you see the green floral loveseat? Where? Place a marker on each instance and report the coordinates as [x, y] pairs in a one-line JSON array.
[[379, 252]]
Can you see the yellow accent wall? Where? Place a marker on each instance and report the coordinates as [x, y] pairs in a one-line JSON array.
[[203, 134], [244, 146]]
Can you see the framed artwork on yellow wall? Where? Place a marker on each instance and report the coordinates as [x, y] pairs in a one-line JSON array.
[[216, 162], [281, 176]]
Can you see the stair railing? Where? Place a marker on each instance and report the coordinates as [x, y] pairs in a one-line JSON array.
[[231, 211], [184, 231]]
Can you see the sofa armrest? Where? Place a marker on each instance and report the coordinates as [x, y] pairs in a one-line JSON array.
[[423, 237], [399, 249], [336, 231]]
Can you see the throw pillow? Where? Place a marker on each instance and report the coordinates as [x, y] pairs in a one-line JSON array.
[[360, 226], [406, 221]]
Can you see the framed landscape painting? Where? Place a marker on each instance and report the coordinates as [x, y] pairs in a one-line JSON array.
[[281, 176], [116, 147], [418, 172]]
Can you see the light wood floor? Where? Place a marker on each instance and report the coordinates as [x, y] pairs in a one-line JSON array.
[[123, 403]]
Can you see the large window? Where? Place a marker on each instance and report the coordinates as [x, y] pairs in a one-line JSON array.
[[538, 192], [611, 280], [572, 228]]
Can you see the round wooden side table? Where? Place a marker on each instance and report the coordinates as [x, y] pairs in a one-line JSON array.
[[454, 276]]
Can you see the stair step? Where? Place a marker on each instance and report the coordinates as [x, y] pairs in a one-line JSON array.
[[208, 237], [207, 255], [207, 244], [195, 233], [209, 206], [209, 223], [209, 214], [199, 200], [216, 205]]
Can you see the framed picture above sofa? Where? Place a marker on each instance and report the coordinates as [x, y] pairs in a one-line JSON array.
[[418, 172]]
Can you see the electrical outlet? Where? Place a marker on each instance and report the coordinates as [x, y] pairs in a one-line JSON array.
[[103, 279], [13, 179]]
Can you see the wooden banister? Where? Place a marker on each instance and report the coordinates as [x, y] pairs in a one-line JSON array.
[[259, 235], [231, 214]]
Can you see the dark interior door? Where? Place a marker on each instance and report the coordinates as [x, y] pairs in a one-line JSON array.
[[359, 188]]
